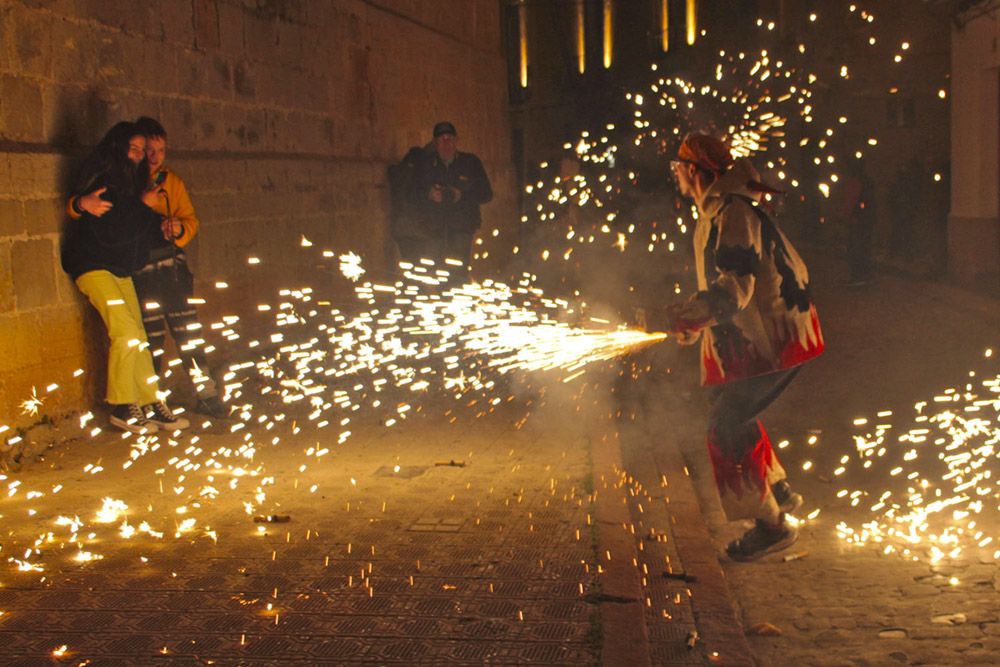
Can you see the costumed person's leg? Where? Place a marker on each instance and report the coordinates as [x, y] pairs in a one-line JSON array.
[[747, 471]]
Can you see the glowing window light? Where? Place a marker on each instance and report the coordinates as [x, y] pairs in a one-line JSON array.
[[665, 25], [580, 31], [692, 21], [522, 27], [609, 26]]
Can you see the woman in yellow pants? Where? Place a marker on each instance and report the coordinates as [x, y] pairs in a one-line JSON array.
[[100, 253]]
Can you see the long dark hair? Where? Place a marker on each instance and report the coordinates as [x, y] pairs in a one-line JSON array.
[[109, 165]]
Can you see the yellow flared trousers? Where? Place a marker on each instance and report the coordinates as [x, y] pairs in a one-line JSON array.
[[131, 378]]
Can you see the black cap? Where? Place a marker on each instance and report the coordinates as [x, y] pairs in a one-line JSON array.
[[444, 127]]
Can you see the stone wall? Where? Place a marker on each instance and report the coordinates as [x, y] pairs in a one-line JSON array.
[[282, 117]]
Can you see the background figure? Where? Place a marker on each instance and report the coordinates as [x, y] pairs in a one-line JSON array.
[[857, 209], [450, 186], [110, 238]]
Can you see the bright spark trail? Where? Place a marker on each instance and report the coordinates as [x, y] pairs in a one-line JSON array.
[[419, 337]]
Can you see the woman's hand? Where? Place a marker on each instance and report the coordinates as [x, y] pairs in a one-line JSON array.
[[93, 204]]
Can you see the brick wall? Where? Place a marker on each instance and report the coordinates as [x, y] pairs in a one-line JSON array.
[[282, 115]]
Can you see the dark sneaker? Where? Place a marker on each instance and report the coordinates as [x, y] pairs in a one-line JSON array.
[[762, 539], [788, 500], [213, 407], [130, 417], [159, 414]]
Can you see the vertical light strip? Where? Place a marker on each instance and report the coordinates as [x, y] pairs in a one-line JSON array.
[[522, 29], [665, 25], [692, 21], [609, 43], [580, 32]]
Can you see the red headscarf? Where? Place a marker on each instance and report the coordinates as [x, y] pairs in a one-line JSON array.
[[712, 154], [707, 152]]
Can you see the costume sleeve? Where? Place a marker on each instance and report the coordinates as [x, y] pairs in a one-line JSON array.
[[183, 210], [737, 253]]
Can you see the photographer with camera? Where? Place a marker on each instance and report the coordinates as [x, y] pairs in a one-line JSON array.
[[451, 185]]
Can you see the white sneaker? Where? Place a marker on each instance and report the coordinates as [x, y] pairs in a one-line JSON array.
[[160, 415]]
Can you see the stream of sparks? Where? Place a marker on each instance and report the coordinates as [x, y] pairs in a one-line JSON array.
[[398, 345]]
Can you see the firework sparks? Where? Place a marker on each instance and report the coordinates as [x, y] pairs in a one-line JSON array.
[[947, 500]]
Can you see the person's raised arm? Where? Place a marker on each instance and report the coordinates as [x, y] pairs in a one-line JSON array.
[[89, 203]]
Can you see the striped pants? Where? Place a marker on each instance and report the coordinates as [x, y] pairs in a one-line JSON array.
[[164, 294]]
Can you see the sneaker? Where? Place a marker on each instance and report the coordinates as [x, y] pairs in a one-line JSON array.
[[762, 539], [159, 414], [788, 500], [213, 407], [130, 417]]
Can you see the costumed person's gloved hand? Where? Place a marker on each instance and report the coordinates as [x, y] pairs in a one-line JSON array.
[[684, 321]]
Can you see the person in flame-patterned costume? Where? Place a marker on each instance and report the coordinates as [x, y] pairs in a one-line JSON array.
[[757, 324]]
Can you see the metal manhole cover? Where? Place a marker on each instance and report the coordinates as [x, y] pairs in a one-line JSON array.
[[460, 569], [422, 627], [130, 645], [356, 626], [309, 603], [265, 583], [562, 589], [511, 588], [213, 582], [544, 653], [499, 609], [118, 601], [436, 606], [32, 662], [59, 600], [92, 622], [26, 622], [563, 610], [337, 648], [159, 622], [373, 604], [552, 631], [406, 650], [472, 651], [513, 571], [226, 622], [269, 647], [491, 629], [298, 623]]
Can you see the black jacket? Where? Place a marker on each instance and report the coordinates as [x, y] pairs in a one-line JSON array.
[[466, 174], [119, 241]]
